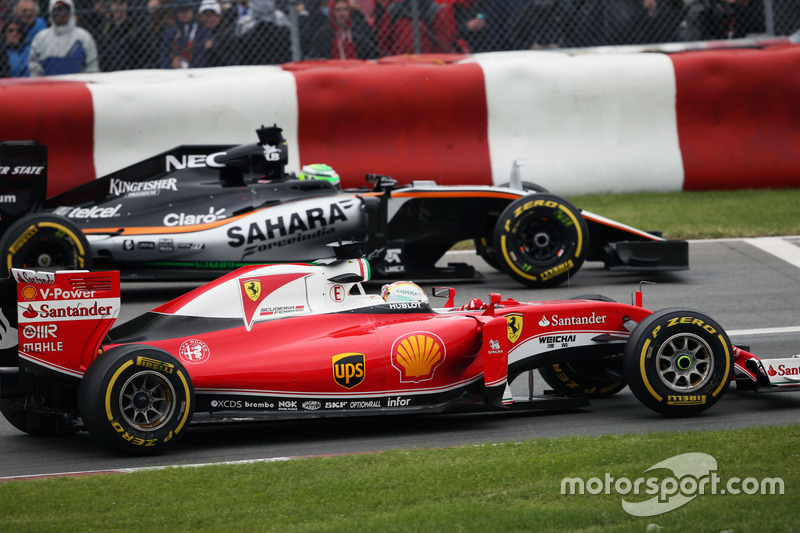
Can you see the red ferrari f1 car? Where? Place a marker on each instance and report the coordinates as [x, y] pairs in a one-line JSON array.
[[306, 340]]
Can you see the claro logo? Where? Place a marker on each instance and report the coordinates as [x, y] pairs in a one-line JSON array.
[[189, 219]]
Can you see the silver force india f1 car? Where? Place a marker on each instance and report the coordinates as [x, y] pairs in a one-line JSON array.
[[305, 340], [196, 212]]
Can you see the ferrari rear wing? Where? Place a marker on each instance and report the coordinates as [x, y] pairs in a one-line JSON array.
[[55, 321]]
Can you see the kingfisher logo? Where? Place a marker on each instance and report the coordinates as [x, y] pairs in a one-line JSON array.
[[142, 188], [349, 369]]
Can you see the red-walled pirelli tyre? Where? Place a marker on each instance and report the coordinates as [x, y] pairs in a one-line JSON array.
[[567, 379], [678, 362], [136, 399], [541, 240], [44, 242]]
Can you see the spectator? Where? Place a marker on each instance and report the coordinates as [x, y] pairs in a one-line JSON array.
[[346, 36], [183, 43], [538, 24], [265, 34], [158, 18], [64, 47], [475, 26], [14, 59], [721, 19], [93, 19], [586, 24], [398, 32], [122, 40], [221, 46], [310, 18], [27, 11], [656, 21]]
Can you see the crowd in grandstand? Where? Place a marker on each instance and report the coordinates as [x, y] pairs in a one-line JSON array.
[[109, 35]]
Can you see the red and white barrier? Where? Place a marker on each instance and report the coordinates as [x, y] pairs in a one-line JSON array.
[[577, 123]]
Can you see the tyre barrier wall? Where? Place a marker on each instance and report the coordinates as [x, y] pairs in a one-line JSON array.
[[576, 123]]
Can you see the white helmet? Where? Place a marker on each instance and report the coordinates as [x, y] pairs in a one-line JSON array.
[[403, 291]]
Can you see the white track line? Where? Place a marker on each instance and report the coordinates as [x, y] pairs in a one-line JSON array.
[[779, 247]]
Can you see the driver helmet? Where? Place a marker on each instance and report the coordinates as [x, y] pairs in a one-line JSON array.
[[403, 291], [320, 171]]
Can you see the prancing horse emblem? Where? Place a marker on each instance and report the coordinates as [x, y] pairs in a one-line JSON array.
[[253, 289], [513, 327]]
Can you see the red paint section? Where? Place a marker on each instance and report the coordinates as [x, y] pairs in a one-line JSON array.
[[738, 115], [416, 119], [58, 114]]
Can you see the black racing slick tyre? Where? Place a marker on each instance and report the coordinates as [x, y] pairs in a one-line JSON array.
[[678, 362], [541, 240], [566, 379], [136, 399], [44, 242]]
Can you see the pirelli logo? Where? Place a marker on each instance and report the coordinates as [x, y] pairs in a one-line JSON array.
[[697, 399], [155, 364]]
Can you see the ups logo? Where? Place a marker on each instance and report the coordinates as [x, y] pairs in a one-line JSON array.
[[348, 369]]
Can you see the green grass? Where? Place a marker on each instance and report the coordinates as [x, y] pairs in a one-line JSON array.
[[702, 215], [504, 487]]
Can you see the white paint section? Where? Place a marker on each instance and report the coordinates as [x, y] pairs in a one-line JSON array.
[[779, 247], [140, 114], [763, 331], [583, 125]]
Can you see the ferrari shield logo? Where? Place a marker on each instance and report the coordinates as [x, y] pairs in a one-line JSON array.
[[513, 327], [252, 287]]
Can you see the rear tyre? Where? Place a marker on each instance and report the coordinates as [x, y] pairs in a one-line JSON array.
[[564, 378], [44, 242], [136, 399], [541, 240], [678, 362]]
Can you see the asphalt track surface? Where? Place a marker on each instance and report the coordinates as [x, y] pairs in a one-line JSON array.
[[751, 287]]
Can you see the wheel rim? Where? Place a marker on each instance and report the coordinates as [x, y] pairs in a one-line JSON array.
[[147, 401], [541, 242], [47, 253], [685, 362]]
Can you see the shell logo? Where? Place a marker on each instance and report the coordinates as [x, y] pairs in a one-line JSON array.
[[29, 292], [417, 356]]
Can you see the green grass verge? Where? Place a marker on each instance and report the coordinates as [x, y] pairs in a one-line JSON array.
[[502, 487], [702, 215]]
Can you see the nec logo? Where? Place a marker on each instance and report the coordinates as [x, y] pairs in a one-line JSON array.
[[192, 161]]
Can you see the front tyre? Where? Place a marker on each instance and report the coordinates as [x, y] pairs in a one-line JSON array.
[[136, 399], [678, 362], [44, 242], [541, 240]]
